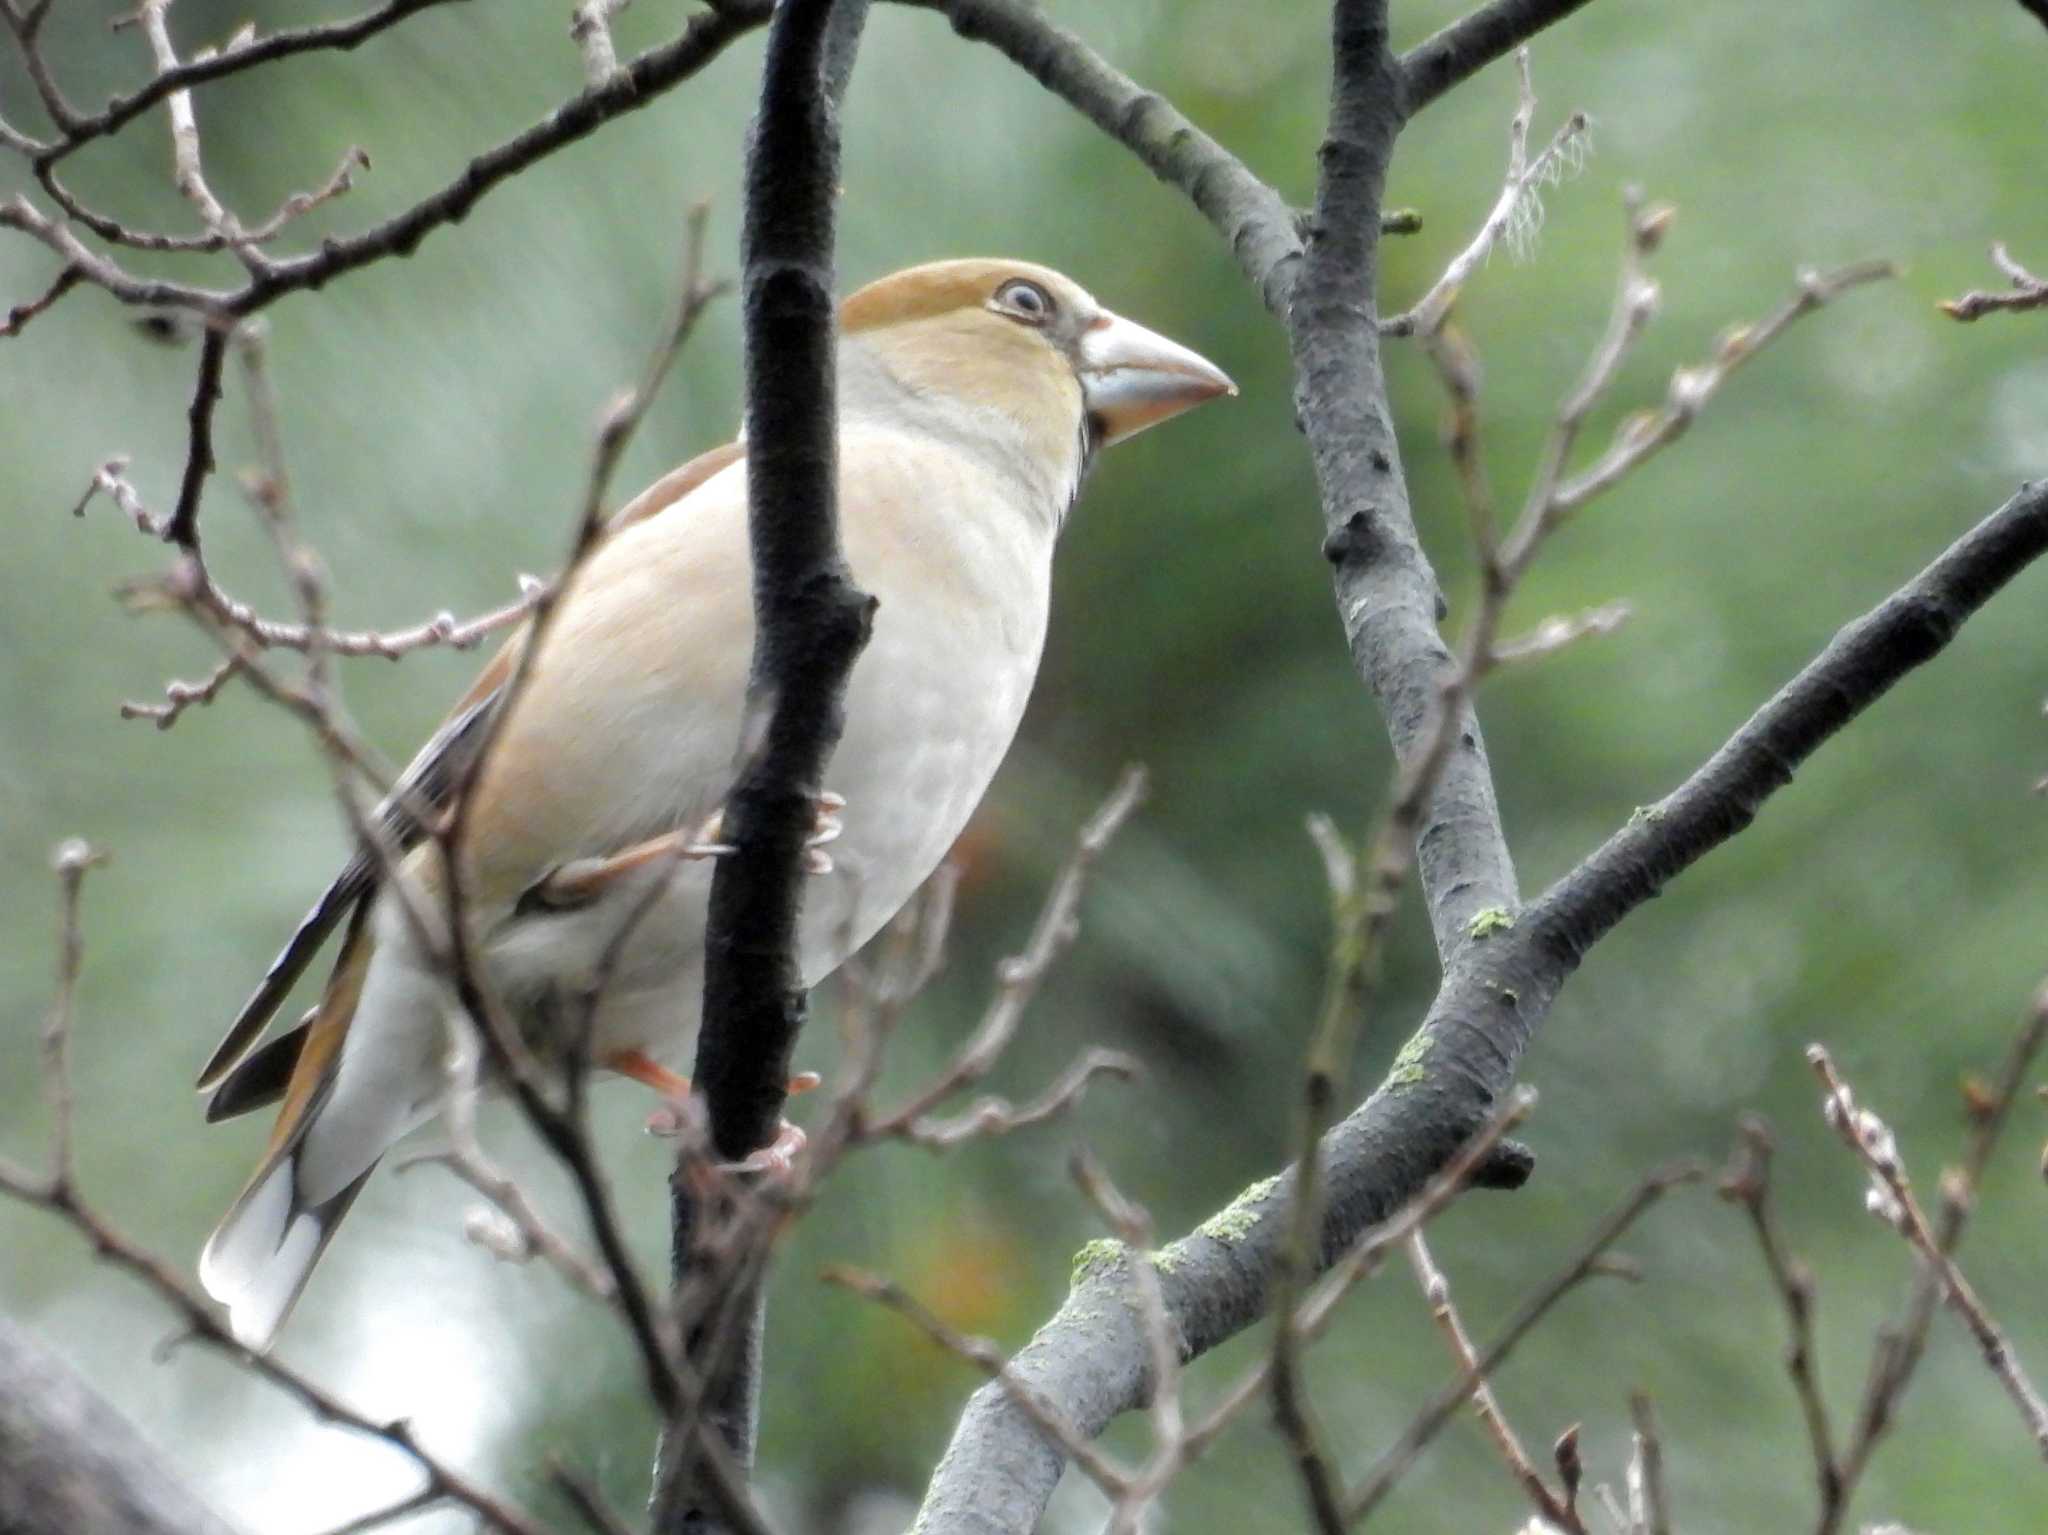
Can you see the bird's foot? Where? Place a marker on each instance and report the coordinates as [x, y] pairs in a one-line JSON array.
[[776, 1159], [583, 880], [825, 827], [667, 1120]]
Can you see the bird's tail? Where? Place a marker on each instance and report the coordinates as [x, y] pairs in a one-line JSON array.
[[262, 1253], [330, 1133]]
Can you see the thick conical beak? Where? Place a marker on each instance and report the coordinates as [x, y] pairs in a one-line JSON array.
[[1132, 378]]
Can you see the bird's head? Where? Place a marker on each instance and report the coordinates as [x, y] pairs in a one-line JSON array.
[[1017, 353]]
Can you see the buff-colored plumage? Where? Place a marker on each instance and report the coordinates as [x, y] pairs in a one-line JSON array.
[[971, 396]]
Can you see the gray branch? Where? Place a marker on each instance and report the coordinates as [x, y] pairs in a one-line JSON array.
[[1387, 594], [1469, 44], [1091, 1359], [70, 1463]]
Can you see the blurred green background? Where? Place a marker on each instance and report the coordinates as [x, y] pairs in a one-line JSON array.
[[438, 414]]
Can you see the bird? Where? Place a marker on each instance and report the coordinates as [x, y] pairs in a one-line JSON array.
[[972, 398]]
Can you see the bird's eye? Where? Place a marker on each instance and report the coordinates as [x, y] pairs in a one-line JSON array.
[[1024, 300]]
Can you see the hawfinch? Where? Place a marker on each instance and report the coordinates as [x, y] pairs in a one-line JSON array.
[[972, 396]]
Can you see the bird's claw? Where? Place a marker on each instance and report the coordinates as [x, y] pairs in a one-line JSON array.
[[777, 1159], [825, 827]]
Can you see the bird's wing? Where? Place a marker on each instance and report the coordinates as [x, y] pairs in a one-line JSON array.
[[428, 782]]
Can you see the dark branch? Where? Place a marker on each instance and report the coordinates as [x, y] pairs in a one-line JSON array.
[[637, 83], [1468, 45], [811, 623], [1091, 1358], [634, 86], [183, 528], [337, 36]]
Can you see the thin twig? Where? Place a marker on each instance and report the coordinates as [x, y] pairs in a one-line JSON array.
[[180, 696], [2028, 292], [20, 314], [992, 1117], [1516, 208], [1902, 1343], [237, 59], [58, 1193], [72, 860], [1436, 1289], [185, 154], [1132, 1224], [466, 1158], [1893, 1200], [588, 1502], [1642, 436], [1018, 977], [1748, 1182], [1586, 1262]]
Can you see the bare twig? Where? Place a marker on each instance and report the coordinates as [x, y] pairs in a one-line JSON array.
[[19, 315], [185, 155], [1635, 304], [1017, 981], [1586, 1262], [1642, 436], [2028, 292], [589, 1503], [183, 527], [1892, 1199], [1517, 209], [1902, 1342], [991, 1117], [59, 1194], [246, 55], [1436, 1289], [633, 85], [72, 860], [1748, 1182], [179, 696], [111, 480], [466, 1158]]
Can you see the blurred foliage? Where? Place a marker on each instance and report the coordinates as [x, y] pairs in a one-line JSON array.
[[438, 413]]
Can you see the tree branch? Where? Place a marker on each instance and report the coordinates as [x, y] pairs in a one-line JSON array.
[[337, 36], [1387, 593], [1253, 220], [632, 86], [811, 623], [1468, 45], [1090, 1358], [69, 1462]]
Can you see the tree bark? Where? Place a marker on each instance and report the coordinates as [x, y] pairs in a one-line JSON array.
[[71, 1465]]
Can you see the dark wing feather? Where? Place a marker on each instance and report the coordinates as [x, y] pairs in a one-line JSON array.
[[428, 783], [261, 1076]]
